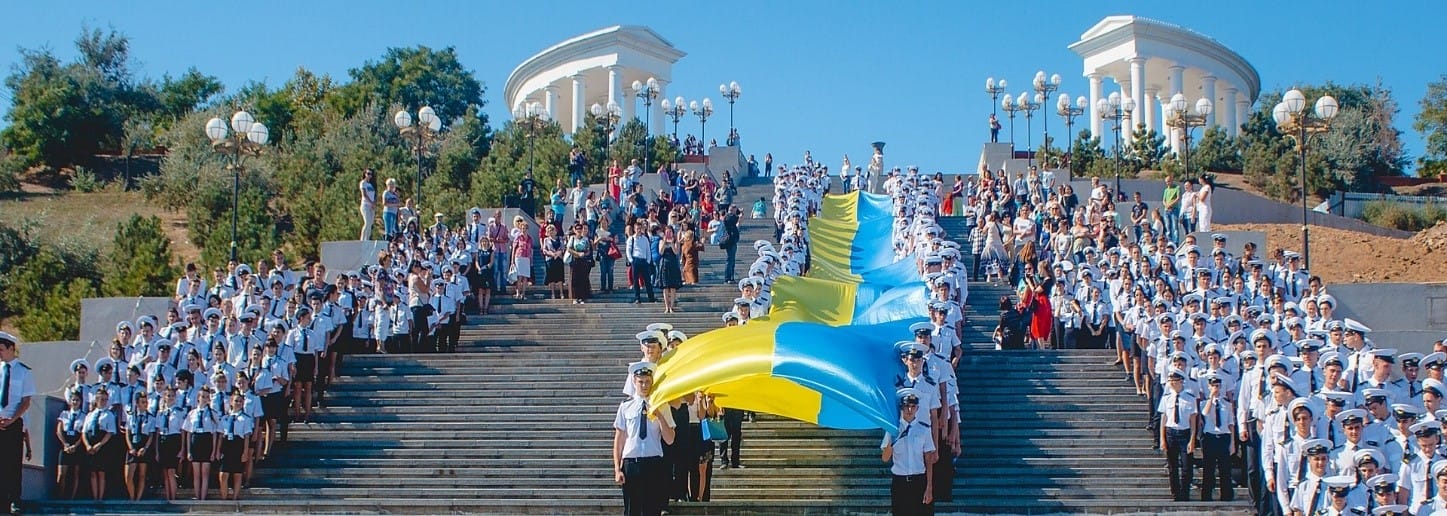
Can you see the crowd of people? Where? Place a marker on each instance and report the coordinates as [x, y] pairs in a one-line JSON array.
[[1241, 359], [666, 457]]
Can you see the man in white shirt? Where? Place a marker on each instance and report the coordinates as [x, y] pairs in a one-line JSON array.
[[639, 433], [16, 387]]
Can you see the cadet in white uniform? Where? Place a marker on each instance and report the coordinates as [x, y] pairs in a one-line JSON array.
[[16, 388], [1178, 432], [910, 455], [638, 440]]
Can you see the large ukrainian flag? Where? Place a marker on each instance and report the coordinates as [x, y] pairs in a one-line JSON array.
[[824, 354]]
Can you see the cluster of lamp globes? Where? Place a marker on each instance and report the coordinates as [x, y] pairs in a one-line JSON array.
[[242, 123], [426, 118], [1293, 104]]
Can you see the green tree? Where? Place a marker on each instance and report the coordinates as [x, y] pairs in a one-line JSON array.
[[1215, 151], [141, 262], [1147, 149], [62, 114], [182, 95], [45, 292], [1086, 153], [1431, 121], [414, 77]]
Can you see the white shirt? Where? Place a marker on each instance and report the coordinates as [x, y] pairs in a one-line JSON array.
[[627, 421], [1170, 402], [910, 447], [21, 386]]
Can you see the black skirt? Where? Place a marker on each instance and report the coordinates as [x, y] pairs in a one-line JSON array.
[[75, 458], [305, 367], [168, 451], [148, 455], [273, 405], [201, 447], [103, 459], [231, 452], [554, 271]]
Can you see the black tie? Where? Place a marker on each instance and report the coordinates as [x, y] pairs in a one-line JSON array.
[[1331, 433], [1316, 496], [1218, 413], [1261, 391], [643, 422], [231, 432], [1176, 404], [5, 386], [305, 342], [1313, 381], [1301, 467]]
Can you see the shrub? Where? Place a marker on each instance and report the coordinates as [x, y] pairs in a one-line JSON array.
[[84, 180], [1403, 216]]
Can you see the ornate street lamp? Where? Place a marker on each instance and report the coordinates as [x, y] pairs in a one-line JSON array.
[[1293, 120], [423, 134], [533, 117], [702, 111], [1028, 105], [675, 111], [730, 91], [1069, 113], [1008, 104], [607, 118], [647, 91], [1179, 118], [1114, 109], [1044, 87], [245, 138], [995, 90]]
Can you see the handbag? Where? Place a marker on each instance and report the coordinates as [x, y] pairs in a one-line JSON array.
[[613, 252], [713, 430]]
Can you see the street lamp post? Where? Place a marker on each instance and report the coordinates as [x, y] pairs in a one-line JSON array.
[[1293, 119], [1069, 112], [607, 118], [1181, 119], [647, 91], [675, 111], [702, 111], [245, 138], [1028, 105], [995, 90], [423, 133], [533, 117], [1008, 104], [1114, 109], [1044, 87], [730, 91]]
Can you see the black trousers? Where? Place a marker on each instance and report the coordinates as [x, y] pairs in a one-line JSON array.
[[11, 451], [906, 494], [1179, 463], [645, 489], [1155, 401], [944, 470], [1216, 466], [734, 425], [642, 278], [975, 267]]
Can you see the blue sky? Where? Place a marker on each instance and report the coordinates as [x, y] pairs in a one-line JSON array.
[[819, 75]]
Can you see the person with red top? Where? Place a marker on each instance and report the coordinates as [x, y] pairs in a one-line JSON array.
[[1035, 300], [522, 256]]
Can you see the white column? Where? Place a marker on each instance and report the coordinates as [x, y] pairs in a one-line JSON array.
[[1208, 90], [1095, 85], [1227, 108], [656, 117], [1164, 108], [1126, 124], [1138, 91], [578, 108], [550, 101], [1243, 111], [1177, 77], [1151, 105], [620, 93]]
